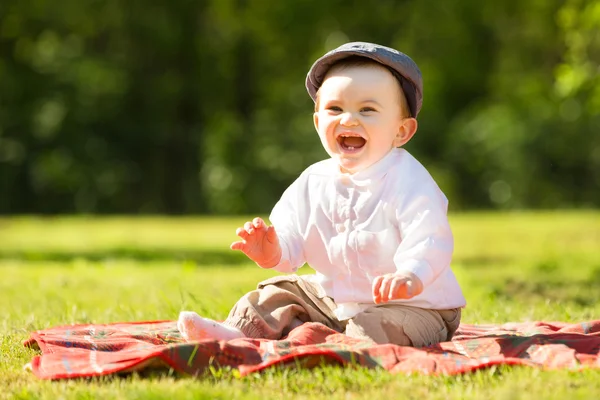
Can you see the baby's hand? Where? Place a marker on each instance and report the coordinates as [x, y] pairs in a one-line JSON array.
[[259, 242], [399, 285]]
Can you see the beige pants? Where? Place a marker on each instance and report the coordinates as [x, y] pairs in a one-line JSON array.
[[282, 303]]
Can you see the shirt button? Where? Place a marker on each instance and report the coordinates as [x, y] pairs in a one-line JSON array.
[[341, 228]]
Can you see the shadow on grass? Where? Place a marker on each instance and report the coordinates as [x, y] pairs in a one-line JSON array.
[[582, 293], [200, 257], [546, 282]]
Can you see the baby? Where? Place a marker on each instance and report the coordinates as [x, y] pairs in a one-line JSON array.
[[370, 220]]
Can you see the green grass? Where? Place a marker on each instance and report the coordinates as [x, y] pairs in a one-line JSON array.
[[513, 267]]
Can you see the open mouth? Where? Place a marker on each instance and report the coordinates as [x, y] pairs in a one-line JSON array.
[[351, 142]]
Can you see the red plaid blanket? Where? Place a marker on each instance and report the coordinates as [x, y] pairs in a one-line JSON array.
[[93, 350]]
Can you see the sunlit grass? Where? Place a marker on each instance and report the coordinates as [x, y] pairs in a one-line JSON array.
[[513, 267]]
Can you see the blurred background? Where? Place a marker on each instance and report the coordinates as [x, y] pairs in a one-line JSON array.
[[199, 106]]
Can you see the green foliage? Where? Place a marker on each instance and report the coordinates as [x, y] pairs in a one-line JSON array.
[[200, 107], [55, 271]]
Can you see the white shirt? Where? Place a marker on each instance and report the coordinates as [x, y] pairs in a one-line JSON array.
[[352, 228]]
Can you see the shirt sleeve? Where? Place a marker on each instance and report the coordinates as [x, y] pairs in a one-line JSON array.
[[427, 242], [285, 219]]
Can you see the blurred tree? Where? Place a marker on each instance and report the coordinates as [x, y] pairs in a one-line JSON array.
[[200, 107]]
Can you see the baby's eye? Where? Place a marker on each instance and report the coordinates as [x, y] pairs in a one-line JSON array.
[[334, 108], [367, 109]]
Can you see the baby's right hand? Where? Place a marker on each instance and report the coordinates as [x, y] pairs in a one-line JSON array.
[[259, 242]]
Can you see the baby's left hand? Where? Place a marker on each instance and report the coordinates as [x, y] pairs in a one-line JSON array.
[[399, 285]]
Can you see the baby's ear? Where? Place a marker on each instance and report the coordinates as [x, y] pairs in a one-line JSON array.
[[316, 120], [406, 131]]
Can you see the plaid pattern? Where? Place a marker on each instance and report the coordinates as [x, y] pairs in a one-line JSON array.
[[94, 350]]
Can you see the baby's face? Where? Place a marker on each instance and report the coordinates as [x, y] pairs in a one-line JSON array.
[[359, 119]]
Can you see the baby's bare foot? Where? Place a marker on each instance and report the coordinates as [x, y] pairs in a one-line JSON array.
[[194, 327]]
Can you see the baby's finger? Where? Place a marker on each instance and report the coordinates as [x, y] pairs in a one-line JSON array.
[[237, 246], [241, 232], [258, 223], [384, 290], [271, 234], [248, 227], [260, 228], [396, 288], [376, 285], [410, 289]]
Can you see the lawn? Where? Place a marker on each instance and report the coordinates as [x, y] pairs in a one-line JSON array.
[[512, 266]]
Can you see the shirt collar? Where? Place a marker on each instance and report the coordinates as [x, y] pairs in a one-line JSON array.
[[373, 172]]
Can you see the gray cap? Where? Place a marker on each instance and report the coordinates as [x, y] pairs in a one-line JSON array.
[[401, 66]]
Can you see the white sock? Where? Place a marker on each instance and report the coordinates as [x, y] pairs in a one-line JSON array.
[[194, 327]]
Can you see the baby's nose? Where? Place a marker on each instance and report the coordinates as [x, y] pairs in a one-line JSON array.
[[348, 119]]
